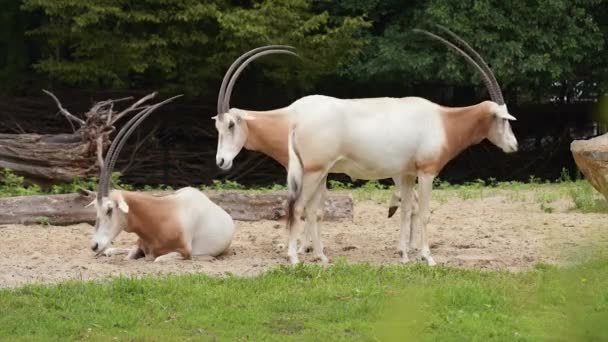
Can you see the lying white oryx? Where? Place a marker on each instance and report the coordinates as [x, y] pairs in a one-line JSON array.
[[174, 226], [378, 138], [261, 131]]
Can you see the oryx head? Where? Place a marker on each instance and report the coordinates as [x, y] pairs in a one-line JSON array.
[[230, 123], [112, 208], [500, 132]]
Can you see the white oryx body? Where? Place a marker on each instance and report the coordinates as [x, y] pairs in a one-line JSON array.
[[175, 226], [377, 138], [181, 224]]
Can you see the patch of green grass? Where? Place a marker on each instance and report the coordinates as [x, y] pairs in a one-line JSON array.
[[43, 221], [341, 302], [14, 185], [586, 199]]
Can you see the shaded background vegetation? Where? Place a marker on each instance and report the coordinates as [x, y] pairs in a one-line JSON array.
[[548, 55]]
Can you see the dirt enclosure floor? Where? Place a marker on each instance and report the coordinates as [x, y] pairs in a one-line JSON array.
[[488, 233]]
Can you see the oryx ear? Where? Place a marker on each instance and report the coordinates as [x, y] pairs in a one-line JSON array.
[[247, 116], [503, 113], [214, 117], [122, 205], [241, 114]]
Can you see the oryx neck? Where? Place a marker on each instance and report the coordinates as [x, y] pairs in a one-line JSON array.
[[465, 126], [268, 135]]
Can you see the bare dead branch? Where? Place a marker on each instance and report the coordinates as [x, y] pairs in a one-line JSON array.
[[132, 107], [100, 150], [64, 111]]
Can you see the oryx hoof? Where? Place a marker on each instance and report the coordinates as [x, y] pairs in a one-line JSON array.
[[426, 255], [293, 259], [305, 249], [404, 258], [322, 258]]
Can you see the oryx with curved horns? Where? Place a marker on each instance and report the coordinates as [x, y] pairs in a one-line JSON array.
[[377, 138], [175, 226], [261, 131]]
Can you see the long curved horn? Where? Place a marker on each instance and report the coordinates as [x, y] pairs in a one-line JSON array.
[[486, 79], [238, 71], [118, 143], [480, 61], [227, 76], [112, 147]]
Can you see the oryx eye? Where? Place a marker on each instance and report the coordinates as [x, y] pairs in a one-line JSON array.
[[109, 212], [231, 125]]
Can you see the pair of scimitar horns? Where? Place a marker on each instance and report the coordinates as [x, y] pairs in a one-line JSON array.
[[231, 76], [223, 99]]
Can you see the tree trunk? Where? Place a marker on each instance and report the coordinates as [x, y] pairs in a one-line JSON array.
[[43, 158]]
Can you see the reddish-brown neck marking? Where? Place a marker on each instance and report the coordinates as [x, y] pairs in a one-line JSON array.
[[464, 126], [155, 221], [268, 134]]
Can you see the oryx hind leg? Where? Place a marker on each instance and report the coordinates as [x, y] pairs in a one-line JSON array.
[[309, 185], [313, 219], [306, 239], [306, 246], [395, 198]]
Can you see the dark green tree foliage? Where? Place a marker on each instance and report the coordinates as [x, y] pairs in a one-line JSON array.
[[186, 45], [179, 43], [529, 44], [16, 54]]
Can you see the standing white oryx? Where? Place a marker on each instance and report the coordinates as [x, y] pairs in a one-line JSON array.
[[261, 131], [175, 226], [377, 138]]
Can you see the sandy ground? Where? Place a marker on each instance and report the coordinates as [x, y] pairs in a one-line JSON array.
[[490, 233]]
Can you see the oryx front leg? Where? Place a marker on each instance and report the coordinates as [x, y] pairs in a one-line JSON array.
[[309, 185], [169, 256], [425, 183], [407, 187], [115, 251]]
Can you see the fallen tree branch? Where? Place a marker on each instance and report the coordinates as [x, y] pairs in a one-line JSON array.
[[70, 208], [64, 111], [52, 158]]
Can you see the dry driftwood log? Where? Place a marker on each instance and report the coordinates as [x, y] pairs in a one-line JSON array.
[[70, 208], [54, 158]]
